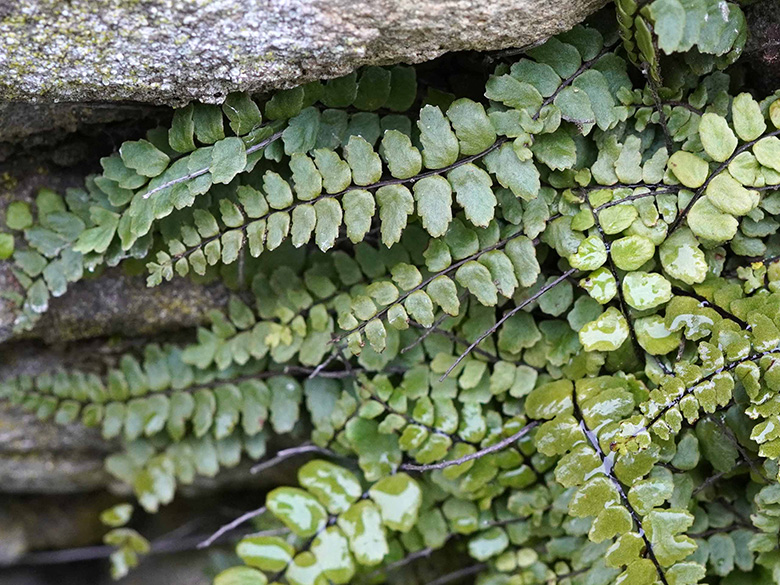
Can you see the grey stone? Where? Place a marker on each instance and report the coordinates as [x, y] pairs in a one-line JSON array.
[[114, 303], [46, 123], [173, 51], [40, 457]]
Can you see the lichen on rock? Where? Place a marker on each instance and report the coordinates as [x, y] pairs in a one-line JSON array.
[[174, 51]]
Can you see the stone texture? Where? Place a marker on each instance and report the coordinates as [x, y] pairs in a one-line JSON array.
[[115, 304], [762, 51], [40, 457], [112, 304], [173, 51], [46, 123]]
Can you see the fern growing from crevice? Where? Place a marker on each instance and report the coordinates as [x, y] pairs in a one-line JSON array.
[[537, 331]]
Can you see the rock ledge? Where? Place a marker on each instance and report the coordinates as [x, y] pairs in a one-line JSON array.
[[173, 51]]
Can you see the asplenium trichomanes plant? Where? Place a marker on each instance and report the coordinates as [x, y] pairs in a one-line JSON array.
[[540, 331]]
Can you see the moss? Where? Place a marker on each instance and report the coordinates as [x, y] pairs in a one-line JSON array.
[[8, 182]]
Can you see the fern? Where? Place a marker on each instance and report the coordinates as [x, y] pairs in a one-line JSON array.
[[538, 332]]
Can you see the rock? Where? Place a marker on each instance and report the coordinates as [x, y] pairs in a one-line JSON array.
[[14, 541], [120, 304], [762, 51], [111, 304], [40, 457], [45, 123], [173, 51], [117, 304]]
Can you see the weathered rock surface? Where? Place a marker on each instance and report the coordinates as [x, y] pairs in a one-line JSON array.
[[112, 304], [115, 304], [173, 51], [46, 123], [40, 457]]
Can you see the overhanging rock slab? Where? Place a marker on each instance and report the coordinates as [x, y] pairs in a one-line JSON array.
[[173, 51]]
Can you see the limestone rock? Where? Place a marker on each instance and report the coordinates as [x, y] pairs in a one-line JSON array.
[[173, 51]]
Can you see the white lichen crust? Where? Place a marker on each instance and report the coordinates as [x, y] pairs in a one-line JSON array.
[[174, 51]]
